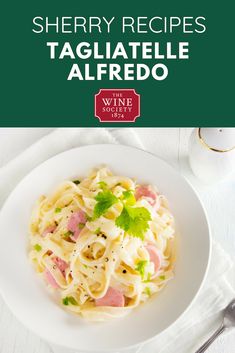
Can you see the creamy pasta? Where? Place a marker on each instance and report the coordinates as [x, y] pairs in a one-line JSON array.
[[103, 244]]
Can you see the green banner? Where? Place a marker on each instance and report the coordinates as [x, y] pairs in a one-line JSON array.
[[178, 56]]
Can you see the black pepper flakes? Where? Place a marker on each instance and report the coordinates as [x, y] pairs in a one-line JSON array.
[[106, 259], [88, 246], [124, 271]]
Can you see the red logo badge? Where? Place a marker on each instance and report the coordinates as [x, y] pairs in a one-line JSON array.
[[117, 105]]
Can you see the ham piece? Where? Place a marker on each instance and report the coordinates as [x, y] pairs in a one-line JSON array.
[[154, 256], [113, 297], [147, 192], [75, 223], [50, 279], [61, 264], [49, 229]]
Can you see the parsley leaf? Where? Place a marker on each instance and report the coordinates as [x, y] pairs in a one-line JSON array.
[[148, 278], [141, 267], [57, 210], [67, 234], [69, 300], [103, 185], [105, 199], [123, 221], [37, 247], [98, 230], [81, 225], [148, 291], [162, 277], [129, 197], [134, 220], [72, 301], [65, 301]]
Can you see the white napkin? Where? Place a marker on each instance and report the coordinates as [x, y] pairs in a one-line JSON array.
[[189, 331], [58, 141]]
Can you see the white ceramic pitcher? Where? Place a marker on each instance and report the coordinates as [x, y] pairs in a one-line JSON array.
[[212, 153]]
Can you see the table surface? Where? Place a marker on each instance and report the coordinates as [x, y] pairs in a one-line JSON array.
[[170, 144]]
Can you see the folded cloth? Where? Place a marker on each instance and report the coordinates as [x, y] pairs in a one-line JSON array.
[[187, 333], [191, 330]]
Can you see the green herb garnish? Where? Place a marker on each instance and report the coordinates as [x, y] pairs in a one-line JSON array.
[[65, 301], [81, 225], [68, 234], [148, 291], [148, 278], [69, 300], [76, 182], [37, 247], [162, 277], [129, 197], [98, 230], [134, 220], [58, 210], [105, 200], [141, 267], [103, 185]]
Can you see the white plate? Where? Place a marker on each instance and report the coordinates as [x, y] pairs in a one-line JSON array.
[[27, 295]]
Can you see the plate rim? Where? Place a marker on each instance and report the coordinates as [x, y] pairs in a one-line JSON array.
[[116, 145]]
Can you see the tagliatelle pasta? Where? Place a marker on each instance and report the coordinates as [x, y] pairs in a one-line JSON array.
[[104, 244]]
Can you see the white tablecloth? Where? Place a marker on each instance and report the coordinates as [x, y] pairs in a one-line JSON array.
[[169, 144]]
